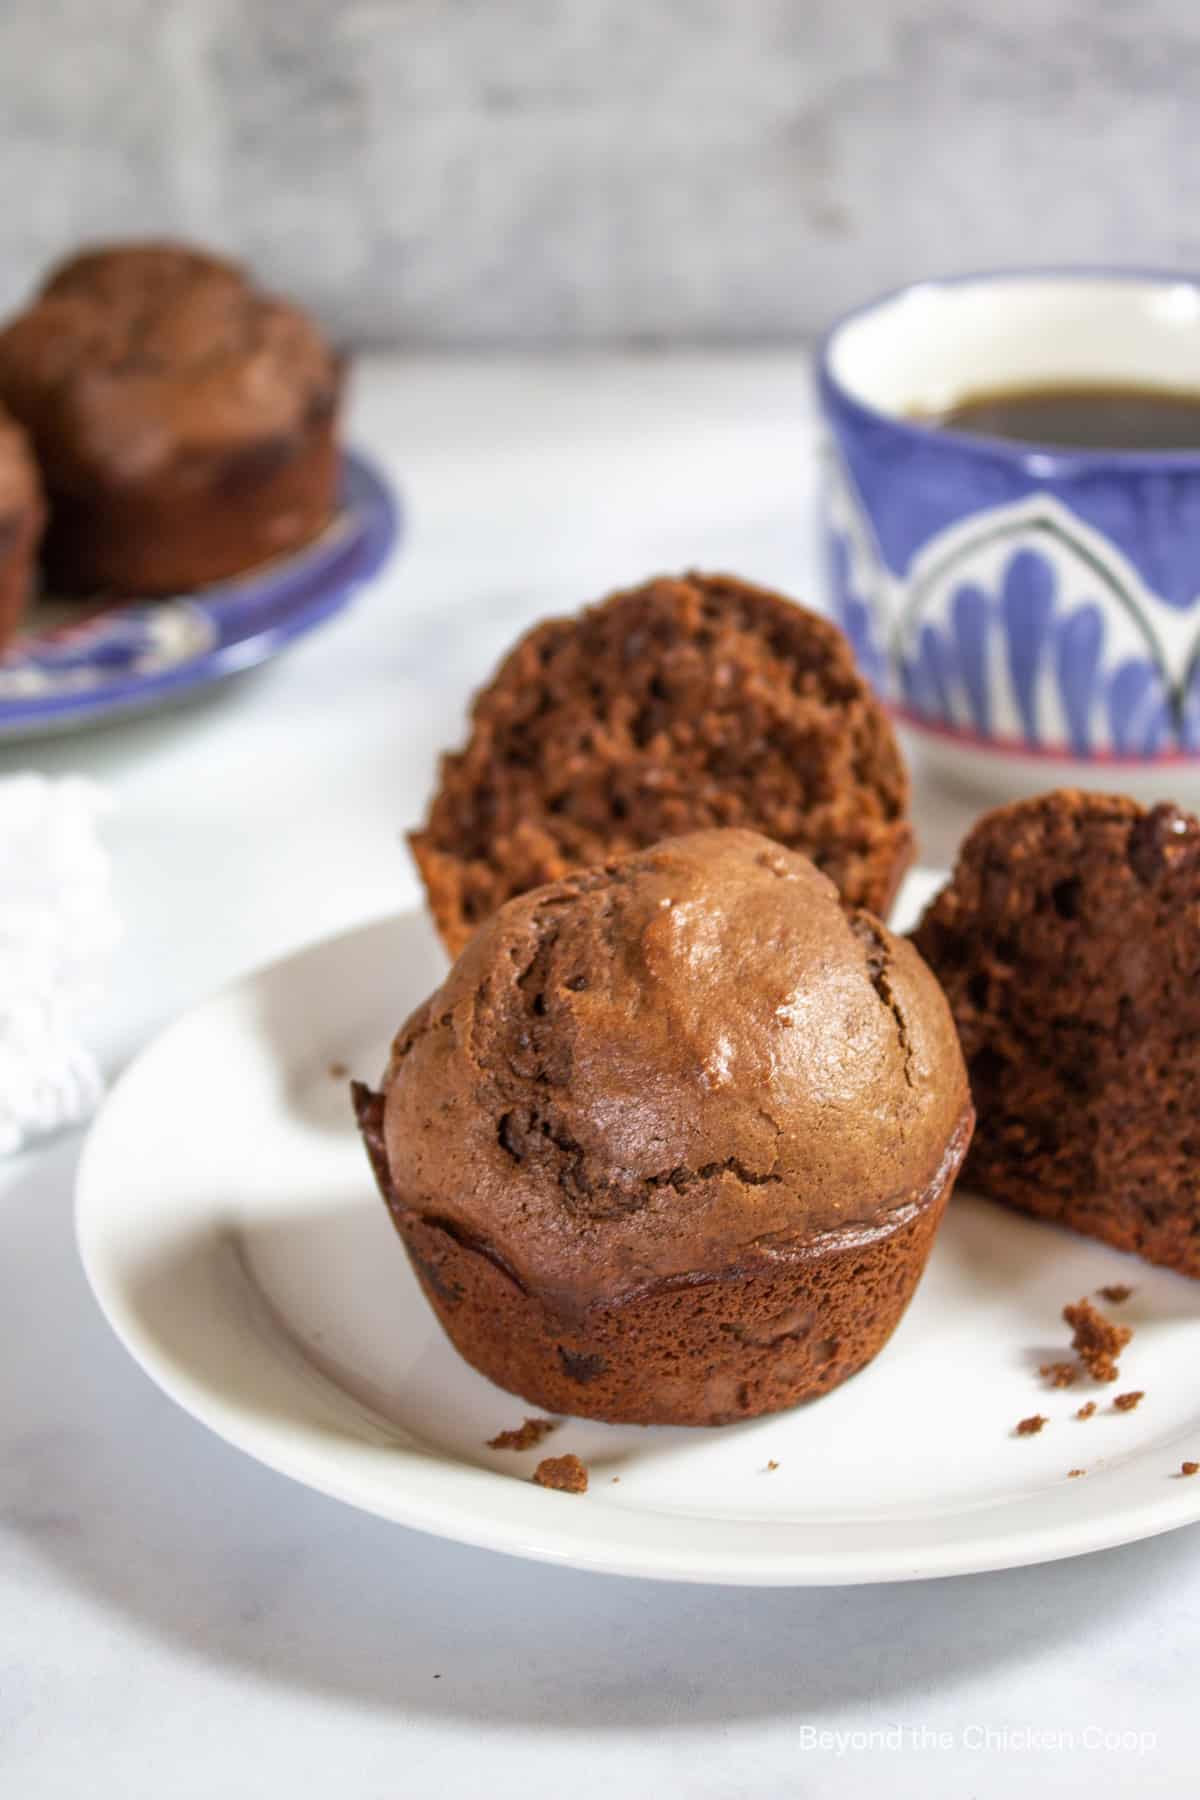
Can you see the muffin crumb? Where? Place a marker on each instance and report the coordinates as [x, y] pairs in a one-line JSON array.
[[1116, 1293], [1086, 1410], [1060, 1374], [526, 1437], [772, 1465], [1189, 1468], [1127, 1402], [1032, 1425], [1097, 1340], [1072, 1473], [338, 1071], [566, 1473]]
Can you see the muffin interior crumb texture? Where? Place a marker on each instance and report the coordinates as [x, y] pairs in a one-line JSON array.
[[1067, 946], [662, 710], [566, 1473]]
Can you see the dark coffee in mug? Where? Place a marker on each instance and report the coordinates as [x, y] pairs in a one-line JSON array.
[[1091, 416]]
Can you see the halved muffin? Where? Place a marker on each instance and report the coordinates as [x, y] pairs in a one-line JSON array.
[[672, 707], [1068, 944]]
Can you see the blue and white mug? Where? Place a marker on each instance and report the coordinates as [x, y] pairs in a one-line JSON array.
[[1033, 612]]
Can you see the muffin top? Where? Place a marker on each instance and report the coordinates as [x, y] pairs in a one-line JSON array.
[[687, 1060], [139, 357], [20, 488], [671, 707]]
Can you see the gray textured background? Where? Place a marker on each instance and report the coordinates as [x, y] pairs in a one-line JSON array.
[[482, 172]]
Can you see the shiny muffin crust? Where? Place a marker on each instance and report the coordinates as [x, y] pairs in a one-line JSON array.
[[672, 1140], [674, 706]]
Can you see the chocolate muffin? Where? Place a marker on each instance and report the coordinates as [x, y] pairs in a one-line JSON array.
[[184, 422], [672, 1141], [22, 515], [671, 707], [1068, 944]]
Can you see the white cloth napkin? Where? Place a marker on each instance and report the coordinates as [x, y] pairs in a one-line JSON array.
[[58, 925]]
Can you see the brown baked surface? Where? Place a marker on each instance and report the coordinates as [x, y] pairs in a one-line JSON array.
[[183, 420], [1068, 943], [671, 707], [671, 1142], [22, 517]]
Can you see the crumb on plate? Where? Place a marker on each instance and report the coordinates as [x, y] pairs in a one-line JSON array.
[[338, 1071], [1071, 1473], [1189, 1468], [566, 1473], [1060, 1374], [526, 1437], [1127, 1402], [1116, 1293], [1096, 1339], [1086, 1410], [771, 1465], [1031, 1426]]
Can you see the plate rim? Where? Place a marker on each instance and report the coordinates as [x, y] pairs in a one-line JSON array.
[[491, 1510], [310, 586]]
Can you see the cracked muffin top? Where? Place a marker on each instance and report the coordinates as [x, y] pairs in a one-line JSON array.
[[667, 708], [137, 356], [690, 1059]]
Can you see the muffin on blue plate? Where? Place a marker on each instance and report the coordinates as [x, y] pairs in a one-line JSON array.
[[185, 422]]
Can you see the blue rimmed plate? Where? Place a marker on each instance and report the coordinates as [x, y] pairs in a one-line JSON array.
[[74, 666]]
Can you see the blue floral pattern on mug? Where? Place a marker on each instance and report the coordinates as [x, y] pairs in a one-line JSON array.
[[1020, 625]]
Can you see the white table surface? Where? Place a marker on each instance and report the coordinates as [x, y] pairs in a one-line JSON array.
[[176, 1621]]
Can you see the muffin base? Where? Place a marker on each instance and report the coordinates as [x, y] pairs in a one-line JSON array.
[[230, 516], [695, 1349]]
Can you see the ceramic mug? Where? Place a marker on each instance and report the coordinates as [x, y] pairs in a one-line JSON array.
[[1032, 612]]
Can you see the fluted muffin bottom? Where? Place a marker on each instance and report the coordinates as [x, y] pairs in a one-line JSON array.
[[705, 1348]]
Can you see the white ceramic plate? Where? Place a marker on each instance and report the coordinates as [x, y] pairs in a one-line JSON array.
[[231, 1232]]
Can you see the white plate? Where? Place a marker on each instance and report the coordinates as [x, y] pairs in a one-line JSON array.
[[232, 1234]]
